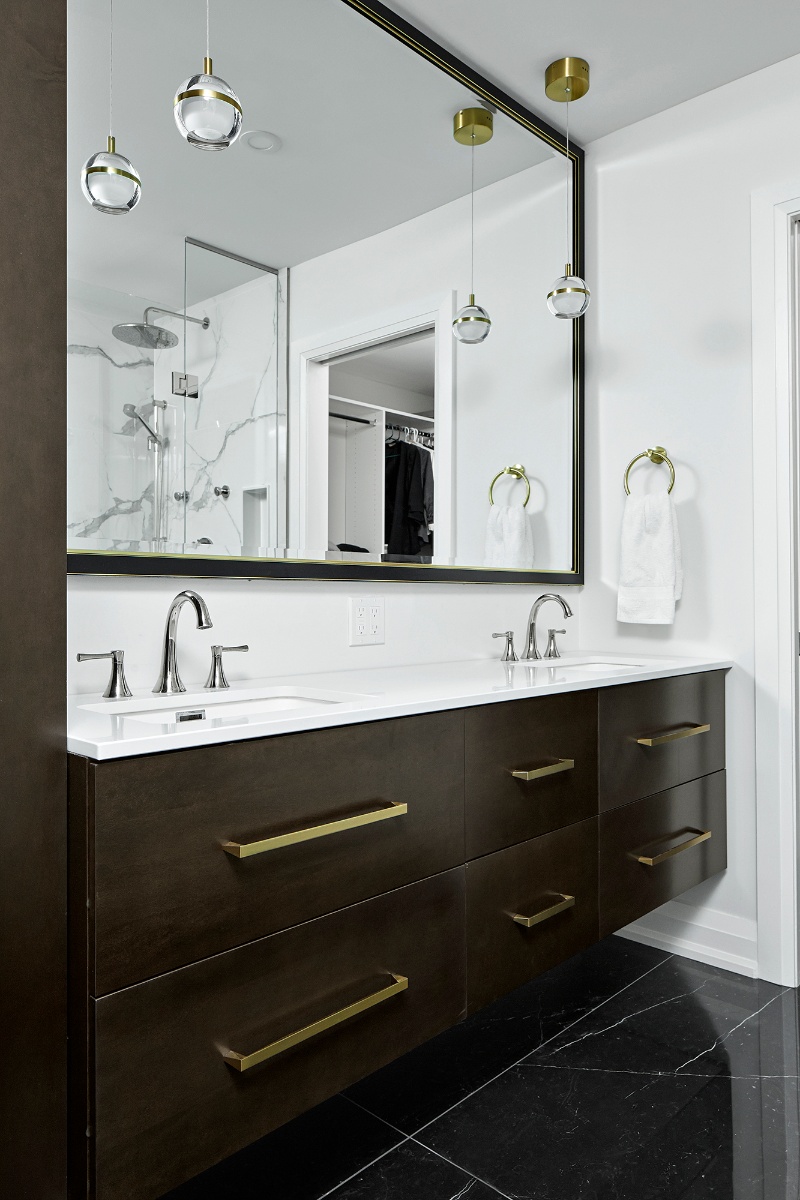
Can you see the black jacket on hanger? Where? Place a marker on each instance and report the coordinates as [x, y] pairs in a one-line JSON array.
[[405, 510]]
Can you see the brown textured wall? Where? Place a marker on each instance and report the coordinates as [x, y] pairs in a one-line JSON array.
[[32, 603]]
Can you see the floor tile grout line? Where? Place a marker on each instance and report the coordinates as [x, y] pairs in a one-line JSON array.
[[458, 1167], [370, 1113], [365, 1167], [547, 1042]]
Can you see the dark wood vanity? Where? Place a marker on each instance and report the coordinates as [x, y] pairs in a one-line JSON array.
[[235, 962]]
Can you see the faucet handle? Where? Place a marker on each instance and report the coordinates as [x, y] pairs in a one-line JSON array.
[[216, 675], [509, 654], [552, 650], [117, 685]]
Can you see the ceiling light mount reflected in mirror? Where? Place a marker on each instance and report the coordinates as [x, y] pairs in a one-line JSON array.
[[472, 127], [261, 140], [565, 80], [108, 179], [207, 111]]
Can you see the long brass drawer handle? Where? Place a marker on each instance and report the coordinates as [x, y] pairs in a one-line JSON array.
[[528, 922], [673, 735], [553, 768], [248, 849], [654, 859], [243, 1062]]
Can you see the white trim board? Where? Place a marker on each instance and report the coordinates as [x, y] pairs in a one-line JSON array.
[[773, 212], [701, 933]]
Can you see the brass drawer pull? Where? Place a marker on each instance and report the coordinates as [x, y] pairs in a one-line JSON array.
[[248, 849], [654, 859], [528, 922], [673, 735], [243, 1062], [553, 768]]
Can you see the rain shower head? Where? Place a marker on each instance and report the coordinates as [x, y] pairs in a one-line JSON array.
[[147, 336]]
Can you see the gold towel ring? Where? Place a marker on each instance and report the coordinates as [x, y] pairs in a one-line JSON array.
[[518, 472], [657, 455]]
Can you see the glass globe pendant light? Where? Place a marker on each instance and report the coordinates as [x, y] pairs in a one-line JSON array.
[[108, 180], [566, 80], [471, 127], [207, 111]]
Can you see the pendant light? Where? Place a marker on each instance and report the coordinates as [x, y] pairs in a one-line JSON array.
[[472, 127], [207, 111], [567, 79], [108, 180]]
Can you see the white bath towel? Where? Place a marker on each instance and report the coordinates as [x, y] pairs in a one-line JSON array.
[[650, 569], [509, 537]]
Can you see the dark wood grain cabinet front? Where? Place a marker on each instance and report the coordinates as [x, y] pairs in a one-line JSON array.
[[257, 925], [656, 848], [531, 767], [169, 1104], [528, 908], [379, 805], [658, 734]]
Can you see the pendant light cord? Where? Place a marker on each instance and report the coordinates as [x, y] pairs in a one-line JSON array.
[[569, 173], [208, 32], [472, 222], [111, 70]]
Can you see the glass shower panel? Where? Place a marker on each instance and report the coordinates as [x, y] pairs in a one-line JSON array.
[[224, 488]]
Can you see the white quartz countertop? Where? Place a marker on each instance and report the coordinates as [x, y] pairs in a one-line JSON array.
[[148, 724]]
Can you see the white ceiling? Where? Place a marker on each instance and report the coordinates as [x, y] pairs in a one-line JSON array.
[[366, 125], [644, 56]]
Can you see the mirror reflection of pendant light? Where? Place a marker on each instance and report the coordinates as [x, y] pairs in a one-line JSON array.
[[108, 180], [472, 127], [565, 80], [207, 111]]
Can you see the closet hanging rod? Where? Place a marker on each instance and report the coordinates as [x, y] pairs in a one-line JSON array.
[[411, 429], [355, 420]]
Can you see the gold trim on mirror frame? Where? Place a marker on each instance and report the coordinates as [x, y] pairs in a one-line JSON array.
[[557, 143]]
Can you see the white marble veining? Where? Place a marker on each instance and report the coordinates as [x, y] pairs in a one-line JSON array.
[[104, 729], [229, 435]]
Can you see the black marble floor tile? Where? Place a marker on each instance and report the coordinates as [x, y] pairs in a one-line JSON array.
[[412, 1173], [540, 1133], [423, 1084], [683, 1017], [301, 1161]]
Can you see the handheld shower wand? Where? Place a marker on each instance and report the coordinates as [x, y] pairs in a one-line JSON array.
[[131, 411]]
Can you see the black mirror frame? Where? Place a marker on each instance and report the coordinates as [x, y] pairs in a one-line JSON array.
[[126, 563]]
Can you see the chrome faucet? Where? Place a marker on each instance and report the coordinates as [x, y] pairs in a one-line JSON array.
[[531, 649], [169, 681]]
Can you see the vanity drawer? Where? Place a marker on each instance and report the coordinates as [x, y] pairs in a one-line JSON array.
[[658, 734], [528, 908], [167, 1103], [554, 740], [656, 848], [379, 805]]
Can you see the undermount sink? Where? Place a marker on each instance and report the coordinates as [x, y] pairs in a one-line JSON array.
[[217, 708]]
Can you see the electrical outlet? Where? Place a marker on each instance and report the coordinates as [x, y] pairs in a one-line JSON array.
[[367, 621]]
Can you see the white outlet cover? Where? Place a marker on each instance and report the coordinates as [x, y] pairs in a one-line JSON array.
[[367, 621]]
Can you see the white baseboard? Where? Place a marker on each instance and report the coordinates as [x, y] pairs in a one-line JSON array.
[[704, 934]]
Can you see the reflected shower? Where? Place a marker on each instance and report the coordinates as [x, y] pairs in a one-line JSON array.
[[148, 336], [130, 410]]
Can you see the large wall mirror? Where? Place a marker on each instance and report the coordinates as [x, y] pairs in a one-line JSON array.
[[263, 378]]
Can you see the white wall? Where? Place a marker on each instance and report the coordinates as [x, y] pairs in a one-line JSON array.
[[291, 628], [669, 363], [514, 391]]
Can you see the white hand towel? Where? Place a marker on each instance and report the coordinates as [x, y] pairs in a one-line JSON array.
[[509, 538], [650, 569]]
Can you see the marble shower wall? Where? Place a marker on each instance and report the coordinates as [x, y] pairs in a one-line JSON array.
[[231, 435], [110, 477], [232, 431]]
